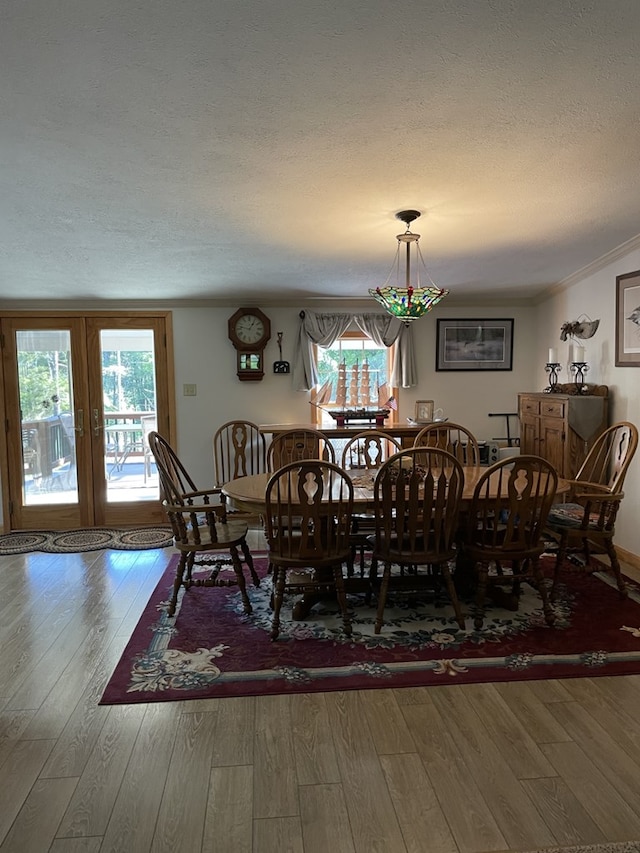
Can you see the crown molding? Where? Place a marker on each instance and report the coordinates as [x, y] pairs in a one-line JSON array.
[[595, 266]]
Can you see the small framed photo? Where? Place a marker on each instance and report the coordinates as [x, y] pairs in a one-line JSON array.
[[628, 319], [424, 411], [474, 345]]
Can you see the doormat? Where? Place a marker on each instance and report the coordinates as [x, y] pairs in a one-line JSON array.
[[212, 649], [85, 539]]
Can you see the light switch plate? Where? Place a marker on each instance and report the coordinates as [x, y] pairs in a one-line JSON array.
[[189, 390]]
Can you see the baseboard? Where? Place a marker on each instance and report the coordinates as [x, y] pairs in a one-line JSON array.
[[628, 557]]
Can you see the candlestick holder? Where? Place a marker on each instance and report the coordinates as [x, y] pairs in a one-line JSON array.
[[552, 368], [579, 368]]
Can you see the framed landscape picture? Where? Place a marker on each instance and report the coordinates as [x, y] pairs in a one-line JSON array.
[[628, 320], [474, 345]]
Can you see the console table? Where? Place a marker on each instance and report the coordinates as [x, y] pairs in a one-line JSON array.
[[405, 434]]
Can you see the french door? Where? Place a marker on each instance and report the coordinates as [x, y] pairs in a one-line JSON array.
[[81, 394]]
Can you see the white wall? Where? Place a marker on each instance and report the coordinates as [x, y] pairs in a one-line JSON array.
[[205, 356], [469, 397], [595, 295]]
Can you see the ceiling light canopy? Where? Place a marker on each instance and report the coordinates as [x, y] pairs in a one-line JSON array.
[[413, 300]]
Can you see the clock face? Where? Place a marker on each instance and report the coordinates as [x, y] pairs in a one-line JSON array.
[[249, 329]]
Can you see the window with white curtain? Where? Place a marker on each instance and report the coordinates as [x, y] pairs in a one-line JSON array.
[[353, 372]]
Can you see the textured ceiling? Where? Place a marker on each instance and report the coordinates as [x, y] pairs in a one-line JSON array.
[[259, 149]]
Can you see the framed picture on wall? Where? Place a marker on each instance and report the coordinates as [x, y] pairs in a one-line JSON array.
[[628, 319], [474, 345]]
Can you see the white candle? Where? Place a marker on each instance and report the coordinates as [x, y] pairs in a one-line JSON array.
[[571, 359], [553, 355], [578, 354]]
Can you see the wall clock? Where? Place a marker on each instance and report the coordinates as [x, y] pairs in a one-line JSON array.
[[249, 332]]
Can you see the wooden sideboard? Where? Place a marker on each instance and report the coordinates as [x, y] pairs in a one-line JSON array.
[[562, 427]]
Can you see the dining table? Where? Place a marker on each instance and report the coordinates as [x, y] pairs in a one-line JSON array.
[[248, 494]]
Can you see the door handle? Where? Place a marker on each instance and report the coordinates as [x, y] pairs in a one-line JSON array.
[[80, 422], [97, 426]]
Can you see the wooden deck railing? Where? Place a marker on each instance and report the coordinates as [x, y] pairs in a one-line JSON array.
[[48, 443]]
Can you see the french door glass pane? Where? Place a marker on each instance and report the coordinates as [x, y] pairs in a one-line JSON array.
[[49, 473], [129, 413]]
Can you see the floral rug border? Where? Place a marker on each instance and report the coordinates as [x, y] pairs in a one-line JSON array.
[[161, 673]]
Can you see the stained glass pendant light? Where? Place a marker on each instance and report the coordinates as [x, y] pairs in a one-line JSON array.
[[409, 302]]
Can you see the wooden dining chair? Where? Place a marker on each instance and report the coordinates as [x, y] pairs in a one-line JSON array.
[[296, 444], [366, 451], [454, 438], [416, 497], [588, 515], [239, 450], [505, 522], [203, 534], [308, 520]]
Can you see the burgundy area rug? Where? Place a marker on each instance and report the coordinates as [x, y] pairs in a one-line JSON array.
[[212, 649]]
